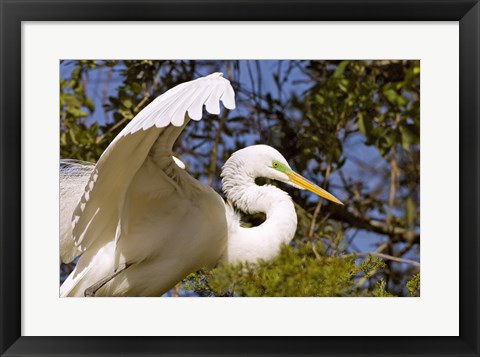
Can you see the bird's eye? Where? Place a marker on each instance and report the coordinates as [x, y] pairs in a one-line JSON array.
[[275, 164]]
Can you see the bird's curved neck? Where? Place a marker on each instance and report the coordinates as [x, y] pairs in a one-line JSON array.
[[264, 241]]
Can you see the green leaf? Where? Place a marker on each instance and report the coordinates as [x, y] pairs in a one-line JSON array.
[[365, 124], [391, 139], [127, 103], [63, 138], [343, 85], [89, 104], [340, 69], [395, 98], [410, 135], [72, 137], [319, 99], [136, 88], [78, 113]]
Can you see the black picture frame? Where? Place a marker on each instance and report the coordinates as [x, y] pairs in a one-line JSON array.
[[13, 12]]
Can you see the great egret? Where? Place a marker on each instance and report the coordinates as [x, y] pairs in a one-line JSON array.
[[141, 223]]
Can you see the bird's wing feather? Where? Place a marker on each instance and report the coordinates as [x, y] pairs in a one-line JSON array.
[[154, 130], [74, 175]]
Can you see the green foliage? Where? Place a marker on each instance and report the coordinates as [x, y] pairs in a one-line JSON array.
[[380, 96], [77, 139], [297, 271], [380, 290], [413, 285]]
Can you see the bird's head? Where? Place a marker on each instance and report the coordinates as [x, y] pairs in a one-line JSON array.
[[265, 161]]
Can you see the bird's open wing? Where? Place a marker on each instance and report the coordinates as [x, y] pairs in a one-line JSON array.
[[153, 130]]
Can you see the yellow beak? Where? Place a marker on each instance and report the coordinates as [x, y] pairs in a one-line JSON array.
[[302, 182]]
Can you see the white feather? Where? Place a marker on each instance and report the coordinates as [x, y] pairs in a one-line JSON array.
[[74, 176], [134, 187]]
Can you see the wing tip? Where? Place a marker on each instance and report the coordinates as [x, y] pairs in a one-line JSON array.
[[215, 75]]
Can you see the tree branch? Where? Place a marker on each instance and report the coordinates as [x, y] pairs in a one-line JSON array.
[[385, 256], [135, 111], [341, 214], [372, 225]]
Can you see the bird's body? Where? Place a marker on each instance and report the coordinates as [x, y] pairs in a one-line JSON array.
[[143, 223], [157, 238]]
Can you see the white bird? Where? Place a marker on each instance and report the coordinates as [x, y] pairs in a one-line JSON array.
[[141, 223]]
